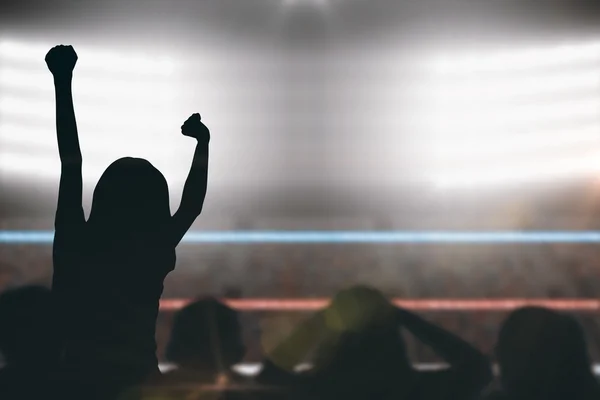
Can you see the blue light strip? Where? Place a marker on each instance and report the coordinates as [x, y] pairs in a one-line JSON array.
[[316, 237]]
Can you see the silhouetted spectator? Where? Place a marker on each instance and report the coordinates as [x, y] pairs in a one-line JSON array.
[[543, 356], [109, 270], [206, 342], [28, 341], [362, 355]]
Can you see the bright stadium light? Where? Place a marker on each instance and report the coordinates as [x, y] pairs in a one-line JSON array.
[[510, 87], [478, 144], [484, 112], [93, 144], [109, 88], [458, 118], [131, 63], [44, 167], [15, 106], [95, 59], [120, 115], [517, 59], [22, 51], [509, 172]]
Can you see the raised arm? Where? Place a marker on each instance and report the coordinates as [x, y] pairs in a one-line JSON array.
[[194, 191], [61, 61]]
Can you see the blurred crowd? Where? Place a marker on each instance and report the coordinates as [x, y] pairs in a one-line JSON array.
[[355, 348], [400, 271]]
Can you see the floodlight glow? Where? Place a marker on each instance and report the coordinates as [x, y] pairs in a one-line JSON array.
[[458, 145], [117, 115], [45, 167], [23, 51], [461, 117], [506, 172], [517, 59], [477, 89], [41, 168], [93, 143], [112, 89], [127, 63], [94, 59], [10, 105]]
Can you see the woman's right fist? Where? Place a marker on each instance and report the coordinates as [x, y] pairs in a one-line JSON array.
[[193, 127], [61, 60]]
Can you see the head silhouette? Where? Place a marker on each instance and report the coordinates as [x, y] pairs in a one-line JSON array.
[[131, 196], [364, 349], [207, 335], [543, 354], [27, 334]]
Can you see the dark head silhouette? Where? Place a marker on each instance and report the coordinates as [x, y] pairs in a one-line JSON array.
[[543, 355], [206, 335], [27, 337], [364, 350], [131, 195]]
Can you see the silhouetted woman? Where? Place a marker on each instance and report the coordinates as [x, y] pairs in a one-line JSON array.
[[109, 270], [543, 356]]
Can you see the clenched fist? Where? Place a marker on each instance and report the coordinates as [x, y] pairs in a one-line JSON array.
[[61, 61], [194, 127]]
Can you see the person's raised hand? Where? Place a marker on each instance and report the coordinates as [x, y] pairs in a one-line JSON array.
[[193, 127], [61, 61]]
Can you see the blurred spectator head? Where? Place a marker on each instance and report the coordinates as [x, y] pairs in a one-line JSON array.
[[360, 309], [206, 334], [364, 345], [542, 353], [27, 327]]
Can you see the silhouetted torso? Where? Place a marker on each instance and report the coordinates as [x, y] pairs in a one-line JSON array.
[[24, 383], [112, 291], [109, 273], [28, 342]]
